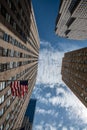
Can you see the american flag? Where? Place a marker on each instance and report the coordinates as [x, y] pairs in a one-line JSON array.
[[19, 88]]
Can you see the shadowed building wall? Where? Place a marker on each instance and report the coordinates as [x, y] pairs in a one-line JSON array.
[[29, 115]]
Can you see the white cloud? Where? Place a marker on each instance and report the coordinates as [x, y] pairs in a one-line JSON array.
[[48, 95], [64, 128], [39, 127], [47, 112], [60, 124], [84, 129], [72, 128], [49, 68], [46, 126], [50, 127], [44, 111], [72, 104]]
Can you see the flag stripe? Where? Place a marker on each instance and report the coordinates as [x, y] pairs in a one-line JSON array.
[[19, 88]]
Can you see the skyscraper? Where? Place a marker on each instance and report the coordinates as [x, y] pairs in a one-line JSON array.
[[29, 115], [19, 50], [74, 73], [26, 124], [71, 21]]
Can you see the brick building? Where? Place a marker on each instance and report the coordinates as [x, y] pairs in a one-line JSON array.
[[19, 51], [74, 73]]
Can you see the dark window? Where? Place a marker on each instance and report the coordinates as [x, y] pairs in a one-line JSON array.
[[1, 34], [14, 25], [20, 54], [8, 52], [0, 8], [11, 21], [8, 66], [20, 63], [9, 3], [10, 39], [73, 5], [1, 51], [3, 11], [70, 21], [18, 16], [3, 67], [18, 29], [6, 37], [67, 32], [7, 17], [4, 52]]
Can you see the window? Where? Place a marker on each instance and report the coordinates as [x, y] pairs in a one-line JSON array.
[[11, 21], [1, 51], [8, 66], [11, 125], [1, 34], [8, 103], [13, 41], [7, 126], [6, 37], [1, 112], [4, 66], [11, 65], [67, 31], [3, 11], [1, 127], [8, 115], [12, 53], [2, 85], [81, 94], [12, 116], [5, 52], [86, 89], [9, 92], [14, 25], [73, 5], [10, 39], [8, 52], [9, 3], [2, 99], [85, 99], [0, 8], [7, 17]]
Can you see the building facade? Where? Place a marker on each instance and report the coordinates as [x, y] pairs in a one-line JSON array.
[[19, 51], [74, 73], [27, 123], [71, 21]]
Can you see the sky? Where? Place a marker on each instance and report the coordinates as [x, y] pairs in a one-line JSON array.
[[57, 107]]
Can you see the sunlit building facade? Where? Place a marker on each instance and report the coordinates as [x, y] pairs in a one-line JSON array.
[[19, 51], [74, 73], [71, 21]]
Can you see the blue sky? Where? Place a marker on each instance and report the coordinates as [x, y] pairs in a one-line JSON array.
[[57, 107]]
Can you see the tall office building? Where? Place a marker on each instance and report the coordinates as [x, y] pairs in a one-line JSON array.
[[19, 50], [26, 124], [71, 21], [29, 115], [74, 73]]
